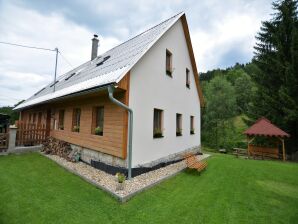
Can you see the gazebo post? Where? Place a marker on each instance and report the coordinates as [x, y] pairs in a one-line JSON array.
[[283, 149], [247, 138]]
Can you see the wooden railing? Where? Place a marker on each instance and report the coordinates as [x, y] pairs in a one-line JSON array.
[[29, 134], [3, 141]]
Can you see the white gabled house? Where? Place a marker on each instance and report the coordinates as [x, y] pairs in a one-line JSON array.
[[154, 74]]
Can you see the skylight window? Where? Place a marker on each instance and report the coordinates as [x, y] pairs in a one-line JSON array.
[[39, 91], [104, 59], [54, 83], [71, 75]]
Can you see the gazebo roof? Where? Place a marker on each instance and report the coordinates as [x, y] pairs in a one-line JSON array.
[[264, 127]]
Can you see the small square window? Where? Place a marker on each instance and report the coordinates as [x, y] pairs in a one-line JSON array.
[[169, 68], [192, 125], [178, 124], [187, 78], [157, 123], [97, 121], [76, 120]]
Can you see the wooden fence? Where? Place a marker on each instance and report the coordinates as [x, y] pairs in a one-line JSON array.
[[29, 134], [4, 141]]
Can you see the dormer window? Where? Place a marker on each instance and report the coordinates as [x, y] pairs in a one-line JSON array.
[[187, 78], [103, 61], [54, 83], [71, 75], [169, 68]]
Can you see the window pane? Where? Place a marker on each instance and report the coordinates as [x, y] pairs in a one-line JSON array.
[[178, 124], [61, 120], [99, 121], [157, 123], [192, 127], [187, 78], [76, 119], [168, 62]]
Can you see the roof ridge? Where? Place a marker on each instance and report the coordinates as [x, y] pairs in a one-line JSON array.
[[125, 63], [142, 33]]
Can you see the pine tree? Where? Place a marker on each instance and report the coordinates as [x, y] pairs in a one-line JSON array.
[[276, 55]]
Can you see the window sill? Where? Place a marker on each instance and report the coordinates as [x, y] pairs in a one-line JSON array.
[[169, 73]]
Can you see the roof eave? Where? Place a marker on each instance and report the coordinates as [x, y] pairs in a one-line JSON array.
[[83, 92]]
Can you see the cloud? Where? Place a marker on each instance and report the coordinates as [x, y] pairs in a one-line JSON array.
[[222, 34], [24, 71]]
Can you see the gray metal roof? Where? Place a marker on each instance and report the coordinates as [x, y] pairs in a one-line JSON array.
[[105, 69]]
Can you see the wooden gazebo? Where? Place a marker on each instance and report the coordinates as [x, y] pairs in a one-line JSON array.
[[264, 128]]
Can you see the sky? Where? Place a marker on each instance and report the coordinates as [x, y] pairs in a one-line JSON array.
[[222, 34]]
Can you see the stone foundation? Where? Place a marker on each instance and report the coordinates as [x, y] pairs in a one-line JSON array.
[[88, 154], [172, 157]]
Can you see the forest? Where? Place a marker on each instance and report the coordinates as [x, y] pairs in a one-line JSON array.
[[266, 87]]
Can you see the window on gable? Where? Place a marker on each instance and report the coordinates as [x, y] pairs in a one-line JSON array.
[[157, 123], [61, 120], [97, 121], [169, 68], [76, 117], [192, 125], [178, 124], [187, 78]]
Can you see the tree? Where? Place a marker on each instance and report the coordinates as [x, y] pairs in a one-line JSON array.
[[219, 111], [14, 115], [276, 55], [244, 89]]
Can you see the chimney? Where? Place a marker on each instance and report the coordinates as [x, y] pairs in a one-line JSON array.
[[94, 47]]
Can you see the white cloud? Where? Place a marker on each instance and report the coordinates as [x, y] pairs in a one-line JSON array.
[[234, 29]]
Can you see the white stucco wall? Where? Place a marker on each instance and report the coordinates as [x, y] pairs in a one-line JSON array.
[[151, 88]]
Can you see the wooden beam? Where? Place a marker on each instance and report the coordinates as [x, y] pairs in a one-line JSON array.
[[283, 149], [192, 59], [125, 84]]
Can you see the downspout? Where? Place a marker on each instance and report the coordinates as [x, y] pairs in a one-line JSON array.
[[130, 123]]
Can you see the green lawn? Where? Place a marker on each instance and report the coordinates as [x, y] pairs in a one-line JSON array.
[[36, 190]]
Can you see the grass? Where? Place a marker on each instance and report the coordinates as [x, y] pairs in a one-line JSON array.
[[36, 190]]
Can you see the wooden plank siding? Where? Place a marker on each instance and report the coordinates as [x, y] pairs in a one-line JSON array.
[[114, 139]]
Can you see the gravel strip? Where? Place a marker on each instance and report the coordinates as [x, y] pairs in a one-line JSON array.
[[108, 181]]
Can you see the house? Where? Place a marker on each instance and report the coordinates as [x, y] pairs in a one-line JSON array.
[[154, 74]]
